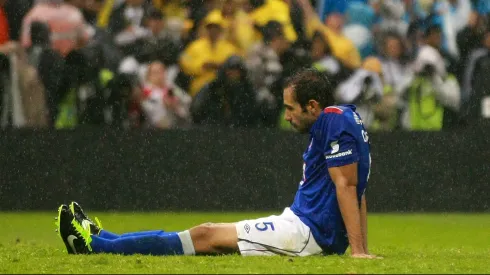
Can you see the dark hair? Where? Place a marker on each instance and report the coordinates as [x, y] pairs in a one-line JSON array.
[[404, 58], [271, 30], [432, 29], [392, 35], [154, 13], [311, 84]]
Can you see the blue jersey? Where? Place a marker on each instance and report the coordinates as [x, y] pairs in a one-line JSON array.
[[337, 138]]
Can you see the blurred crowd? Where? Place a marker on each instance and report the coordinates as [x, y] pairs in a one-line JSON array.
[[421, 65]]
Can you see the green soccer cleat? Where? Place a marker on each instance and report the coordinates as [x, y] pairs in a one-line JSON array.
[[76, 238], [84, 220], [63, 211]]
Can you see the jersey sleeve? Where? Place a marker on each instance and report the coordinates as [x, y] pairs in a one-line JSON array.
[[340, 146]]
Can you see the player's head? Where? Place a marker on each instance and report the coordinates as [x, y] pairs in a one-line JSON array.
[[306, 94]]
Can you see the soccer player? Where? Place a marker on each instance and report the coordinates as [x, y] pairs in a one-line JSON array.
[[328, 213]]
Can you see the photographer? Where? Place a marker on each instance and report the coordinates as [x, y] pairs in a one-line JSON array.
[[229, 100], [266, 70], [364, 89], [433, 96]]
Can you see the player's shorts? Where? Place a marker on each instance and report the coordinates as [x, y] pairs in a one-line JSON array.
[[276, 235]]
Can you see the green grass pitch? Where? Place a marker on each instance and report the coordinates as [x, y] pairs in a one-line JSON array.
[[409, 243]]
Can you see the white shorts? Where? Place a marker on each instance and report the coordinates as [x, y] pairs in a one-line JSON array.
[[276, 235]]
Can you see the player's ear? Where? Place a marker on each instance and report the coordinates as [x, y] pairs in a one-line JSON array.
[[313, 106]]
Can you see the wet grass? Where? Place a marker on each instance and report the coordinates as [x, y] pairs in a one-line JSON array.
[[410, 243]]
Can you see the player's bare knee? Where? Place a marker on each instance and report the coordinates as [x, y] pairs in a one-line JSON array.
[[203, 238], [202, 233]]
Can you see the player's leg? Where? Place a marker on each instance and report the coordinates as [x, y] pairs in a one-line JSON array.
[[215, 238], [96, 227], [203, 239], [164, 244], [284, 235]]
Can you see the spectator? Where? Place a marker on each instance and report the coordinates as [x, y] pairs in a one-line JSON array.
[[469, 37], [126, 24], [164, 106], [198, 11], [396, 71], [229, 100], [358, 28], [84, 91], [325, 61], [157, 44], [342, 47], [476, 84], [433, 97], [265, 69], [364, 89], [414, 10], [263, 11], [176, 21], [202, 58], [238, 26], [23, 100], [171, 8], [16, 10], [453, 16], [68, 28], [328, 7], [391, 13], [49, 64]]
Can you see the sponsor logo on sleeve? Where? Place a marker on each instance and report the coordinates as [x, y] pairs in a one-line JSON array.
[[338, 155]]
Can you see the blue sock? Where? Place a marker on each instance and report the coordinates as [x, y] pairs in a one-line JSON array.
[[112, 236], [108, 235], [164, 244]]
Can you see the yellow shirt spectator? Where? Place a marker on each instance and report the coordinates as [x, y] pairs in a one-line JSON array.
[[342, 47], [171, 8], [238, 29], [276, 10], [202, 57]]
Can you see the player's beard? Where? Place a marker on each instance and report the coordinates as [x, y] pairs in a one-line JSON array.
[[303, 126]]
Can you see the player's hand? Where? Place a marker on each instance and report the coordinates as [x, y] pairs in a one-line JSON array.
[[365, 256]]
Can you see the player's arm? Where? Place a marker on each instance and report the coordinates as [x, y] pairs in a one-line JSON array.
[[345, 180]]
